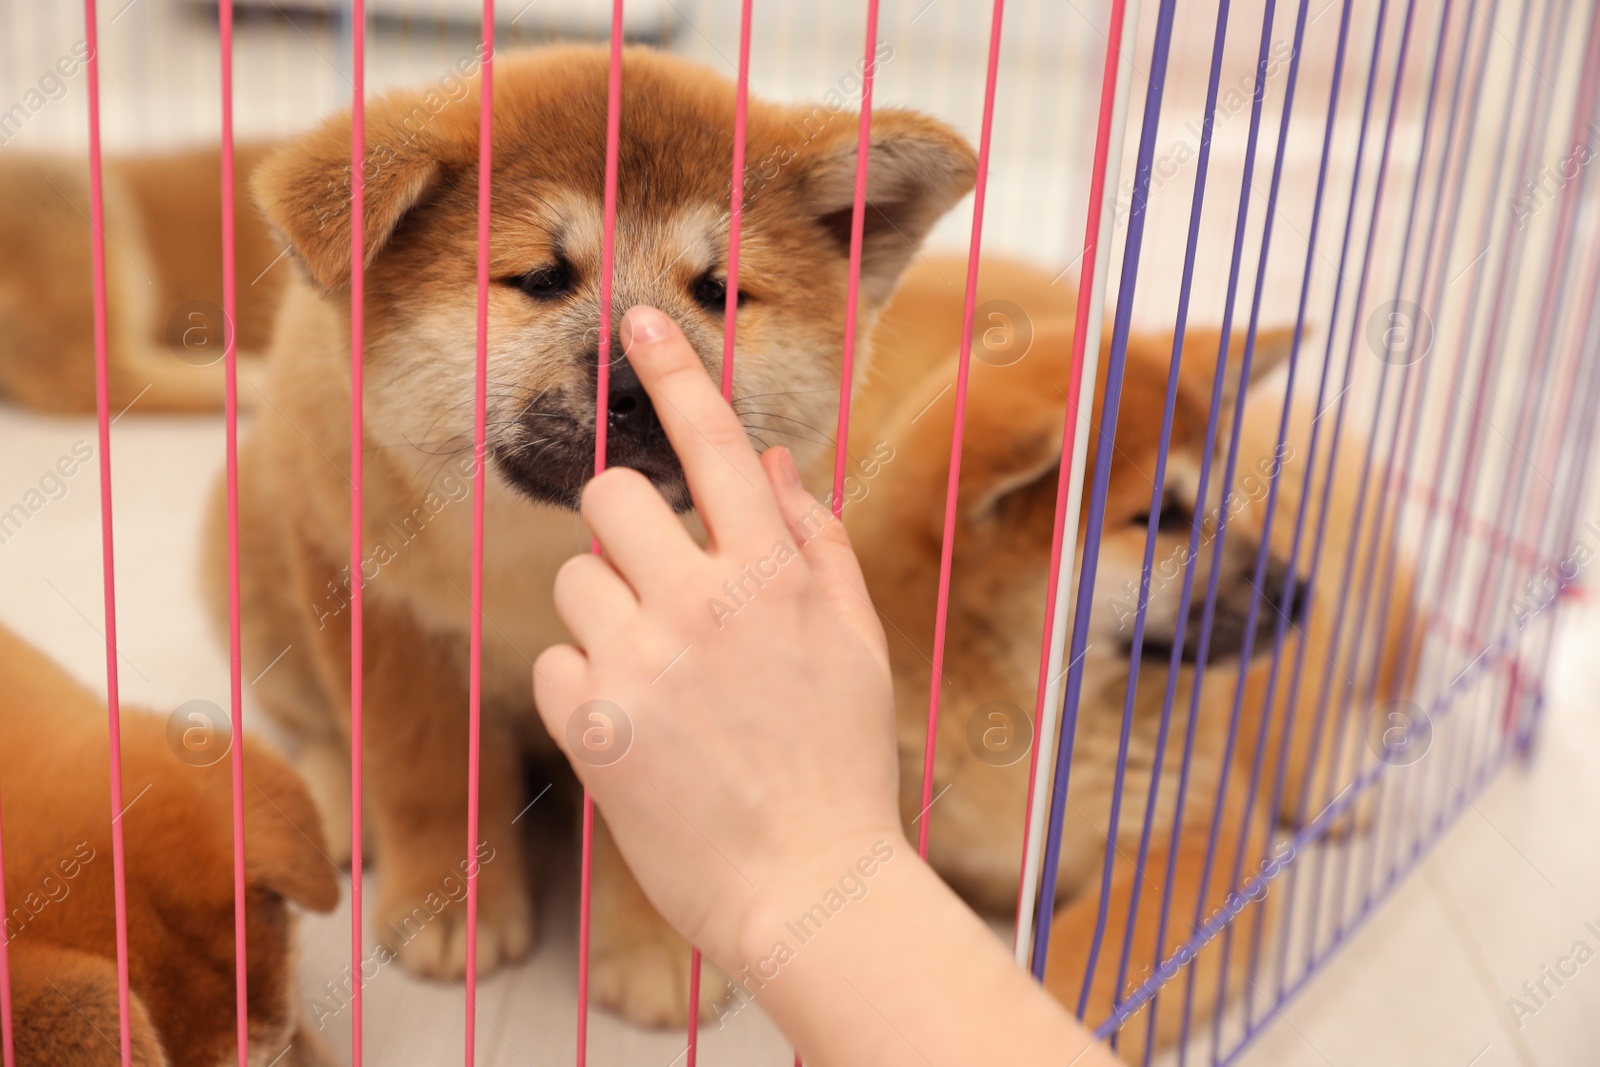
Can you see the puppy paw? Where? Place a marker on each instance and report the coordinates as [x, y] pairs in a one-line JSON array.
[[428, 931], [645, 979]]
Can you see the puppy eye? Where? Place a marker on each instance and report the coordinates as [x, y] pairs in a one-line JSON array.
[[711, 293], [1174, 518], [548, 283]]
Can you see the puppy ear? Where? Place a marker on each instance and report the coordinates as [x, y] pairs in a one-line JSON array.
[[287, 853], [1012, 444], [304, 188], [1201, 349], [916, 171], [1004, 468]]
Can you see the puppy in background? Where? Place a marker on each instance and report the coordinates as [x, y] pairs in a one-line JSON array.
[[544, 306], [163, 278], [177, 826], [1016, 410]]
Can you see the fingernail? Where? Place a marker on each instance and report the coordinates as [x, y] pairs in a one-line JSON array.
[[786, 467], [642, 325]]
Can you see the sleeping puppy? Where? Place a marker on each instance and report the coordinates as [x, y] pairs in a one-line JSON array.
[[165, 335], [420, 234], [177, 828], [1002, 555]]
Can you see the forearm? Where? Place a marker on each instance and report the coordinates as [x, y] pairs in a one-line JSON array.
[[849, 985]]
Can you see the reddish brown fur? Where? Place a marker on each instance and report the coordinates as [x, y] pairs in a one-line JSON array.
[[178, 834]]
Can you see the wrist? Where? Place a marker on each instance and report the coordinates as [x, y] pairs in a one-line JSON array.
[[797, 903]]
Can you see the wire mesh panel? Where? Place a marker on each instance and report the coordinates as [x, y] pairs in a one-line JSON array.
[[1423, 504]]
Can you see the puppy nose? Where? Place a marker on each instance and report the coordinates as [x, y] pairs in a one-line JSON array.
[[1301, 609], [1293, 597], [628, 405], [1282, 586]]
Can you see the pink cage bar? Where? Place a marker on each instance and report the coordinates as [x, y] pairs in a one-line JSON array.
[[1473, 450]]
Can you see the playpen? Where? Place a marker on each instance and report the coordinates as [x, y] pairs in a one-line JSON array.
[[1430, 160]]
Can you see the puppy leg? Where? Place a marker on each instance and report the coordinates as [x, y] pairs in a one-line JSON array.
[[1340, 754], [416, 790], [65, 1011], [286, 612], [146, 378], [638, 964], [1072, 933], [46, 309], [325, 766]]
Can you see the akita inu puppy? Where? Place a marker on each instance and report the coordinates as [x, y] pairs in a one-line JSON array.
[[60, 925], [163, 234], [1016, 409], [420, 234]]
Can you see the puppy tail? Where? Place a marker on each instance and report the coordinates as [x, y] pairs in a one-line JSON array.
[[148, 380]]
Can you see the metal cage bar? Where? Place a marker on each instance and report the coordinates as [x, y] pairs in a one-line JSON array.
[[1096, 519], [1487, 556], [1116, 82], [1358, 822], [358, 218], [97, 245]]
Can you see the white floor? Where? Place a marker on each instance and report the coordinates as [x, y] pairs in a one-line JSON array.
[[1426, 982]]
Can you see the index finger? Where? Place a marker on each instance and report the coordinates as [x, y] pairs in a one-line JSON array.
[[725, 477]]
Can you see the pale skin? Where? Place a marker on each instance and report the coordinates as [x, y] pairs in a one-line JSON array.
[[762, 772]]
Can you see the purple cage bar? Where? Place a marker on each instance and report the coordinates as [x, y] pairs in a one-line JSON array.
[[1473, 470]]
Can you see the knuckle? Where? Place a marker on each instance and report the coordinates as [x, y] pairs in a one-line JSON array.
[[834, 533], [722, 430], [818, 526], [679, 367]]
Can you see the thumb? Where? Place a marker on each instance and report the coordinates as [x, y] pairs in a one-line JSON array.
[[826, 547]]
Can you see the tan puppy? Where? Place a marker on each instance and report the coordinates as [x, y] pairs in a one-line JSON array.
[[163, 273], [1009, 475], [178, 832], [544, 306]]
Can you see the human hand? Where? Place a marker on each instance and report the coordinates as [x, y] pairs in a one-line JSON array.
[[752, 673]]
